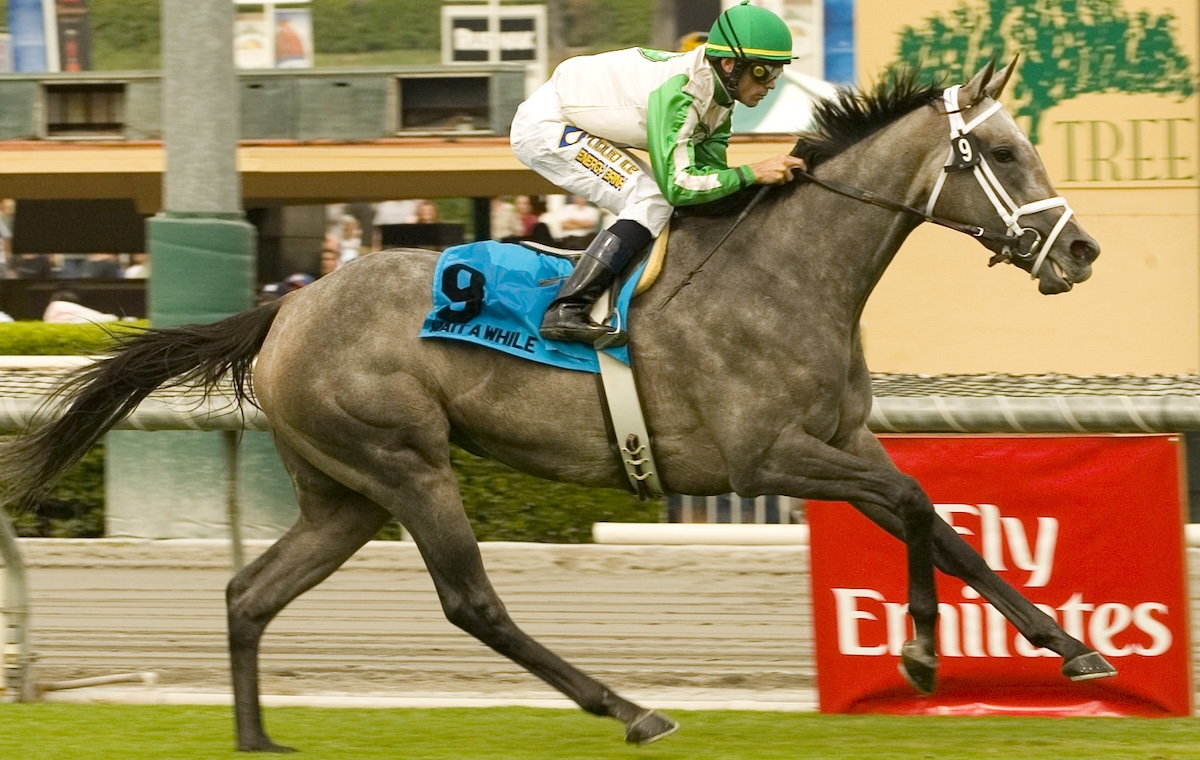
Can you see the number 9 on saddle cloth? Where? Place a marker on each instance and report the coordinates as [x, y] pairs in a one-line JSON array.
[[494, 295]]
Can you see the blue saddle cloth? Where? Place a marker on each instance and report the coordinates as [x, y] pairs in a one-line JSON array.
[[494, 295]]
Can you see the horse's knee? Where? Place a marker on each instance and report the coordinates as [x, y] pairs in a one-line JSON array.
[[245, 617], [911, 498], [912, 503], [475, 613]]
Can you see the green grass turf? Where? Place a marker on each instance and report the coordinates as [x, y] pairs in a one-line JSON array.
[[104, 732]]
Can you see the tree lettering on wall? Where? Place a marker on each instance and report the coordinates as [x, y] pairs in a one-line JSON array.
[[1068, 48]]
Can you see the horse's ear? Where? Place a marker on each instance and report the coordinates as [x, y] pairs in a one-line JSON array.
[[973, 91], [1000, 80]]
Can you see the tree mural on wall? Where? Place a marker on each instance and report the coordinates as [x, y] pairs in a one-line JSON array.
[[1068, 48]]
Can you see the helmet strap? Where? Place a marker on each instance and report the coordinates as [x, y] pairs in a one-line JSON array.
[[740, 59], [729, 79]]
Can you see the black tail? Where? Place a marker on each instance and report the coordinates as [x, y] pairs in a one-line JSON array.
[[100, 395]]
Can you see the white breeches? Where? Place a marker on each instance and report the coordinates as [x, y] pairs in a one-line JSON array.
[[612, 178]]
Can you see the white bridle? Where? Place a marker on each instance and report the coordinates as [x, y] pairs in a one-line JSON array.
[[1010, 213]]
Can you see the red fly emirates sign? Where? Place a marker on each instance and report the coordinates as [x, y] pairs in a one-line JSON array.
[[1089, 528]]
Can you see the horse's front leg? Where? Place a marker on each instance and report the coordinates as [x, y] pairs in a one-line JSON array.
[[954, 556], [804, 467], [918, 657]]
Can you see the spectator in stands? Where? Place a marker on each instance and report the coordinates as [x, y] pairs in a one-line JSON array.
[[297, 281], [101, 266], [269, 292], [274, 290], [349, 238], [579, 221], [528, 213], [392, 212], [364, 214], [6, 222], [32, 266], [329, 260], [67, 266], [427, 213], [64, 309], [139, 269], [506, 224]]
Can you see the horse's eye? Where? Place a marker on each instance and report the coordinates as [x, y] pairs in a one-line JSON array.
[[1004, 155]]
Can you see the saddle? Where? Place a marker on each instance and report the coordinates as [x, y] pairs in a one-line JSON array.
[[494, 295], [654, 255]]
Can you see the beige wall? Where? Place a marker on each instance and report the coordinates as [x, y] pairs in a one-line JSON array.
[[1129, 165]]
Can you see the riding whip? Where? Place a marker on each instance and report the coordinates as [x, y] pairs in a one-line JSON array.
[[745, 212], [762, 192]]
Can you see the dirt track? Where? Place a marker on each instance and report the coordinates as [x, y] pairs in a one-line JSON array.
[[642, 619]]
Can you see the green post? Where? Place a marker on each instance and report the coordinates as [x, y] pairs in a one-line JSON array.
[[202, 269]]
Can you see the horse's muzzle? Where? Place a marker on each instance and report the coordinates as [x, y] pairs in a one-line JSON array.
[[1085, 250]]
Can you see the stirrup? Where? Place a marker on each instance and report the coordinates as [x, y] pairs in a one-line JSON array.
[[612, 339], [586, 337], [583, 331]]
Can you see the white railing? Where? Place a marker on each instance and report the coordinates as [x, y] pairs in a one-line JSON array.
[[179, 413], [1066, 413], [1046, 414], [1000, 414], [940, 414]]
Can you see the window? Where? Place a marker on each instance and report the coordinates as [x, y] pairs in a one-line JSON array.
[[85, 110], [445, 103]]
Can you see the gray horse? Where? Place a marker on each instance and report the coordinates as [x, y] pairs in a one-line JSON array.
[[752, 378]]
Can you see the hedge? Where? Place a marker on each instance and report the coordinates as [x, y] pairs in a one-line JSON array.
[[503, 504], [126, 33], [41, 339], [75, 508]]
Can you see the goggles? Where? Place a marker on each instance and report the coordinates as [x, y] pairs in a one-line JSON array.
[[765, 73]]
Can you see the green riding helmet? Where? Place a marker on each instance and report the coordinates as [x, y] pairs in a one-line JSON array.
[[747, 31]]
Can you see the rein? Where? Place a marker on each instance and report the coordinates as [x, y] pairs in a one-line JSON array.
[[866, 196], [762, 193], [1019, 242]]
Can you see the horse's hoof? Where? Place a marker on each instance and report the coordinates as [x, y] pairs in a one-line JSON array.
[[1088, 666], [919, 668], [649, 726]]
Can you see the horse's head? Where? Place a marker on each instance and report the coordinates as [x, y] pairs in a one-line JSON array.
[[995, 179]]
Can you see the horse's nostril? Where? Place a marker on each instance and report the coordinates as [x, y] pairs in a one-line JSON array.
[[1085, 251]]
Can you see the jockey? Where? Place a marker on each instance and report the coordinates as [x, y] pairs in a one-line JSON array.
[[575, 131]]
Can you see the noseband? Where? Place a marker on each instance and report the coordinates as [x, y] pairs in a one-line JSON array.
[[965, 155]]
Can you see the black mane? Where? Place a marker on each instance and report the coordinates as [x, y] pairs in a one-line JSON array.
[[853, 115], [847, 118]]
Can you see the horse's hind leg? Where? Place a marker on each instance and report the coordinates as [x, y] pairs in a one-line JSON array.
[[334, 523], [439, 526]]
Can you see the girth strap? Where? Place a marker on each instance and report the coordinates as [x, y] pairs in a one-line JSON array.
[[619, 395]]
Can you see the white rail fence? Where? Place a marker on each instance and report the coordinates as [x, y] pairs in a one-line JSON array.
[[999, 414], [22, 403]]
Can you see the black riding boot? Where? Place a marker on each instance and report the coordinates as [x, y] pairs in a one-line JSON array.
[[568, 317]]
